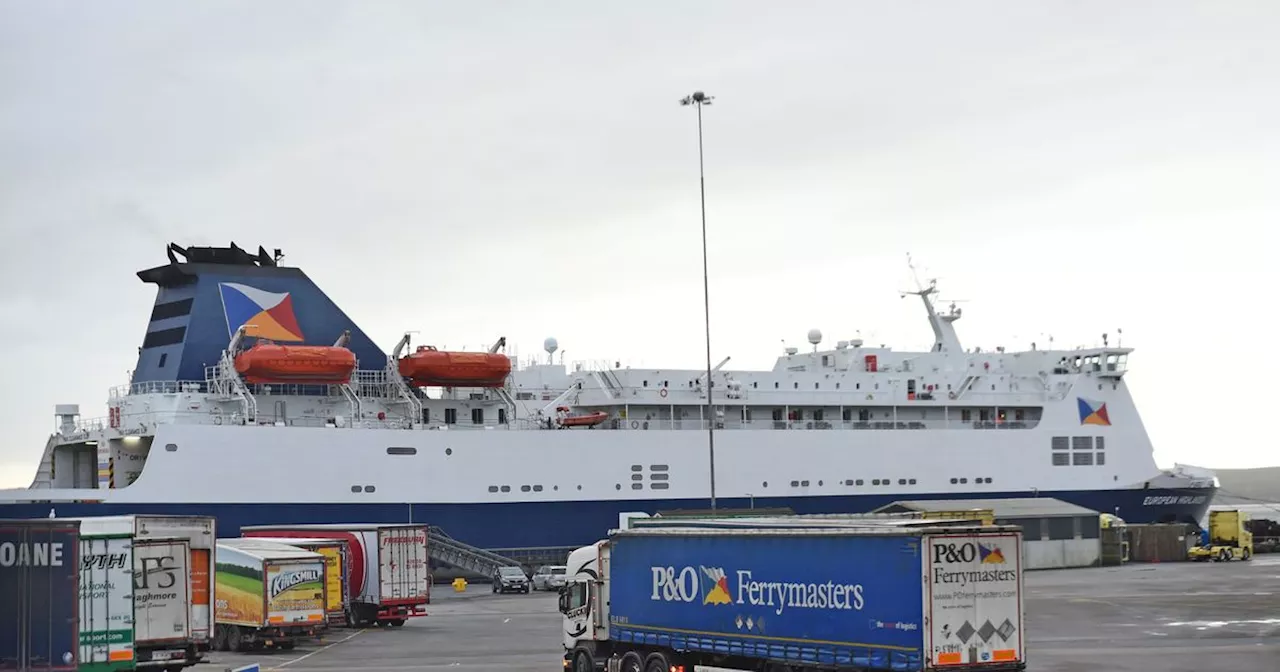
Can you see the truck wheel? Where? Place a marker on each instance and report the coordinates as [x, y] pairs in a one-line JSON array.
[[396, 622], [583, 663], [287, 646], [631, 662], [234, 641], [219, 638], [1246, 554], [657, 662]]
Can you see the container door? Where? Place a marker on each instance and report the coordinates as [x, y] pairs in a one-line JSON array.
[[201, 532], [106, 603], [402, 564], [973, 599], [38, 597], [161, 603], [295, 592]]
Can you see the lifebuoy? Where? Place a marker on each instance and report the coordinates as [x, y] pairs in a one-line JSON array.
[[635, 424], [952, 394], [217, 419], [662, 393]]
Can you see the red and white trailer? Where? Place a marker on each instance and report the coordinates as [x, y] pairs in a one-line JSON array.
[[389, 575]]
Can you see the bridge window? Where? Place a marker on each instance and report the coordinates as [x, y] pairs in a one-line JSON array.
[[1102, 459], [477, 416], [1099, 443], [164, 357], [402, 450], [817, 415], [1082, 443], [450, 416], [502, 416], [1061, 459], [1060, 443], [1082, 459]]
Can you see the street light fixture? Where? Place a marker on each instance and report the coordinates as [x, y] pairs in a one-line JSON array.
[[698, 99]]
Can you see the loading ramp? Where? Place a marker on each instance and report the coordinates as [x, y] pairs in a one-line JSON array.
[[446, 550]]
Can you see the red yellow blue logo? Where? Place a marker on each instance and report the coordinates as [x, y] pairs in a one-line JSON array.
[[268, 314], [716, 586], [990, 555], [1093, 412]]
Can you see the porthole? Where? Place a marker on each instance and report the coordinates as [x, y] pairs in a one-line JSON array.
[[525, 488], [637, 486], [369, 488], [506, 488], [493, 488], [537, 488], [171, 447], [448, 451], [355, 488], [617, 486]]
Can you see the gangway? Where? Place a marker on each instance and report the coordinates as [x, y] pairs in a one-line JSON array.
[[449, 551]]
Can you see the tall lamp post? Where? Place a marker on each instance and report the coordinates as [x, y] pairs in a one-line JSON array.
[[698, 99]]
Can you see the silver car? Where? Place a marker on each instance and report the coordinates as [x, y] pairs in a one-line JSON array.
[[549, 577]]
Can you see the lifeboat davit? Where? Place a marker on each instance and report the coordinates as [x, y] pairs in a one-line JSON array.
[[585, 420], [428, 367], [304, 364]]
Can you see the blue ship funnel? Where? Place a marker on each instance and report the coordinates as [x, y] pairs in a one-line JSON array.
[[202, 299]]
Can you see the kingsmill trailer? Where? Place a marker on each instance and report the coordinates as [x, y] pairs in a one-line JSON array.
[[268, 595], [857, 596]]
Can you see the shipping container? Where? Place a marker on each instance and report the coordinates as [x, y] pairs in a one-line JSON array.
[[39, 606], [270, 595], [169, 560], [390, 577], [335, 568], [856, 596]]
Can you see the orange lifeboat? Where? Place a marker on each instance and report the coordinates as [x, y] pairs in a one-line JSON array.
[[306, 364], [585, 420], [428, 367]]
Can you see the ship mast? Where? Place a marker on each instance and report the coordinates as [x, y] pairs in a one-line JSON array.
[[944, 331]]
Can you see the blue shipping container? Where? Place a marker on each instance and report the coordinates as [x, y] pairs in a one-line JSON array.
[[834, 600], [39, 580]]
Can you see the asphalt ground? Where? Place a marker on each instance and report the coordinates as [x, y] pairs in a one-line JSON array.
[[1174, 617]]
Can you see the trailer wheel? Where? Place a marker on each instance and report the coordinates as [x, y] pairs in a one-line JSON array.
[[220, 638], [396, 622], [631, 662], [234, 641], [657, 662]]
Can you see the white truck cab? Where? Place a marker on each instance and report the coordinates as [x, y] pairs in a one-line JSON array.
[[584, 604]]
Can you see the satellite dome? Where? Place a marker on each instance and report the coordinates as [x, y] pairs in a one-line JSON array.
[[815, 336], [551, 345]]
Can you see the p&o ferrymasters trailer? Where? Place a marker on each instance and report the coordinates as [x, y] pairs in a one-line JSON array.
[[390, 579], [860, 596]]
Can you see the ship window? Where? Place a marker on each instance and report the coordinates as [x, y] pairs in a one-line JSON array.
[[156, 339], [1019, 415], [401, 450], [637, 486], [1082, 459], [777, 415], [764, 484], [525, 488], [804, 484], [426, 416], [795, 385], [477, 416], [795, 484], [450, 416], [448, 451], [964, 481], [369, 488], [1102, 459], [775, 384], [846, 415], [659, 477], [164, 311], [617, 486], [1060, 443], [755, 384], [966, 415], [664, 383], [171, 447], [857, 386], [1100, 443], [502, 416], [637, 467], [746, 414], [1061, 459], [875, 481], [537, 488], [658, 467], [659, 486], [164, 357], [355, 488], [955, 481], [982, 415], [637, 477], [837, 386], [902, 481], [911, 482], [858, 482], [815, 386], [817, 415], [646, 383], [1082, 443], [864, 415], [506, 488], [493, 488]]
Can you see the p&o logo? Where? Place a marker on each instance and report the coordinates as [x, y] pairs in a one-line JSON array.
[[968, 552], [685, 585]]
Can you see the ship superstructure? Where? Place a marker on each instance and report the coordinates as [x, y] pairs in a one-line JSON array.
[[256, 399]]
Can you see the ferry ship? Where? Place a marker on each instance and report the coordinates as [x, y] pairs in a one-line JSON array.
[[257, 400]]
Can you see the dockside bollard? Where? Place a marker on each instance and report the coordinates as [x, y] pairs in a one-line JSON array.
[[459, 584]]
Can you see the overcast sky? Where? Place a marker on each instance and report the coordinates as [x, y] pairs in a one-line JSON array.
[[477, 169]]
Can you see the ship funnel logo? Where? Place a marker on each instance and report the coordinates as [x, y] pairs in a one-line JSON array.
[[270, 314], [1093, 412]]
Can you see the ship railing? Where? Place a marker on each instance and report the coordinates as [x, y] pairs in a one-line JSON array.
[[732, 423], [159, 387]]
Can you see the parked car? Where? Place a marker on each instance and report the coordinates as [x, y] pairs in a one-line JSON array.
[[510, 580], [549, 577]]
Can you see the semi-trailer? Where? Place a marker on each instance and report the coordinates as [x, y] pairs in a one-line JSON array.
[[907, 595], [39, 604], [270, 595], [335, 569], [390, 578]]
